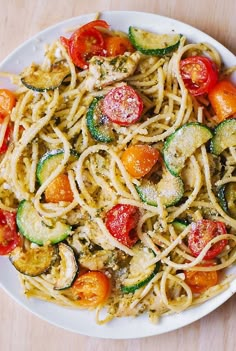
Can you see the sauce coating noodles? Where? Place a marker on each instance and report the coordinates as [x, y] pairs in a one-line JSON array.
[[57, 120]]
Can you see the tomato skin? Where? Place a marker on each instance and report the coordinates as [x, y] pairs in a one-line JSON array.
[[123, 105], [199, 281], [91, 289], [89, 43], [201, 233], [223, 99], [7, 137], [65, 42], [121, 221], [89, 25], [199, 74], [59, 190], [9, 237], [139, 159], [7, 101], [85, 42], [115, 45]]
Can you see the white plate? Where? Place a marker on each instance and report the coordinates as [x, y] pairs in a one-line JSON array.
[[82, 321]]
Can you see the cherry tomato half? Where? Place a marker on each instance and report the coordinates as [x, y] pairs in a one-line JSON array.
[[139, 159], [85, 42], [87, 26], [59, 190], [9, 237], [7, 137], [199, 281], [88, 44], [223, 99], [121, 222], [91, 289], [115, 45], [199, 74], [123, 105], [204, 231], [7, 101]]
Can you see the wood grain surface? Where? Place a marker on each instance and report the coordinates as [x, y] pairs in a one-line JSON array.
[[19, 329]]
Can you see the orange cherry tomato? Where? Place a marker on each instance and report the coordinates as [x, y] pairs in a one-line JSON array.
[[115, 45], [7, 101], [199, 281], [223, 99], [59, 190], [139, 159], [91, 289]]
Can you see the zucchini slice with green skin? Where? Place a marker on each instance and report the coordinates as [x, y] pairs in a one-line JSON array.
[[224, 136], [179, 225], [40, 81], [68, 267], [34, 261], [227, 197], [33, 227], [98, 124], [139, 276], [181, 144], [152, 43], [170, 190], [50, 160]]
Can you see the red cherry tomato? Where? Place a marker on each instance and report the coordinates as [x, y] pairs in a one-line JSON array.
[[123, 105], [85, 42], [65, 42], [121, 222], [89, 25], [204, 231], [199, 74], [9, 237], [7, 136], [4, 146], [88, 44]]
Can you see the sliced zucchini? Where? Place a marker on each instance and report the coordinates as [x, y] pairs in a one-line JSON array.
[[170, 190], [34, 227], [49, 161], [33, 261], [179, 225], [139, 276], [38, 80], [68, 267], [98, 124], [224, 136], [227, 197], [152, 43], [183, 143]]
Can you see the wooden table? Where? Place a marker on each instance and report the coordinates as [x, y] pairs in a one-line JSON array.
[[19, 329]]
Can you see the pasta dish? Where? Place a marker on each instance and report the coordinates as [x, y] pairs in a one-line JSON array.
[[117, 178]]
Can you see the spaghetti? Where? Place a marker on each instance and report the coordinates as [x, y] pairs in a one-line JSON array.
[[50, 120]]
